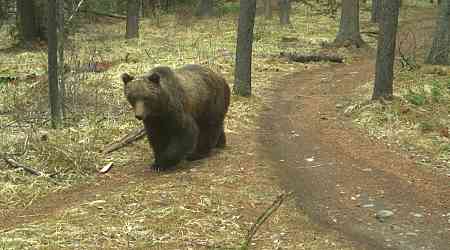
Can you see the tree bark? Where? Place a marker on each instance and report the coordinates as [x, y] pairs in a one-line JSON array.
[[61, 40], [285, 8], [205, 8], [349, 33], [441, 39], [3, 11], [242, 74], [384, 68], [27, 20], [376, 9], [132, 29], [55, 107]]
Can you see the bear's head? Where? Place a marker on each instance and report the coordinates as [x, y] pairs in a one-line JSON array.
[[144, 93]]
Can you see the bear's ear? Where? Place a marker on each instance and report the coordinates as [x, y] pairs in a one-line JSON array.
[[126, 78], [154, 77]]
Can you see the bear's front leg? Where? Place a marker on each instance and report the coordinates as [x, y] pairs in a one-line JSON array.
[[179, 147]]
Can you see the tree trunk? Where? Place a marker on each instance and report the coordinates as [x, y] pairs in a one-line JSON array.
[[242, 73], [349, 25], [61, 39], [205, 8], [165, 5], [268, 9], [27, 21], [384, 69], [285, 7], [3, 11], [55, 108], [376, 9], [441, 39], [132, 19]]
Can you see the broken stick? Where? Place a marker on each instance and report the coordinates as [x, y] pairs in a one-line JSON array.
[[13, 163], [263, 217], [135, 135], [305, 58]]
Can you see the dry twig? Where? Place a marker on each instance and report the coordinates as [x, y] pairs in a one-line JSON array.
[[263, 217], [13, 163], [135, 135], [75, 11]]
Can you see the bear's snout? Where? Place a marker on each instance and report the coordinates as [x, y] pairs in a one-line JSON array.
[[139, 110]]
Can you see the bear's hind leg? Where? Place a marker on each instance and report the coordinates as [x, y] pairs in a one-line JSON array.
[[202, 150], [222, 140], [208, 139]]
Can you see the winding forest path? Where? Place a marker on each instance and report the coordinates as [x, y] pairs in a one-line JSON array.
[[342, 178]]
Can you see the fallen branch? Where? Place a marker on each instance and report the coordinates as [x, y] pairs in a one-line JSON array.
[[75, 11], [13, 163], [263, 217], [135, 135], [305, 58], [97, 13]]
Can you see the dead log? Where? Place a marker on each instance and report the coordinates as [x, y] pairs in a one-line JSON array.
[[97, 13], [135, 135], [13, 163], [305, 58]]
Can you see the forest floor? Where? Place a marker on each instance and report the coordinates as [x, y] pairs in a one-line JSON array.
[[294, 134], [341, 177]]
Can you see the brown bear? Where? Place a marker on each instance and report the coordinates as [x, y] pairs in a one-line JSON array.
[[183, 111]]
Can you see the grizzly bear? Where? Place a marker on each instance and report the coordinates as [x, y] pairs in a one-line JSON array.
[[183, 111]]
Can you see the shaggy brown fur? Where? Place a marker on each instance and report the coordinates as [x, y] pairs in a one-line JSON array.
[[183, 111]]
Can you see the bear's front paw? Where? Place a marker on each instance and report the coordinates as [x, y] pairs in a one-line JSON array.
[[157, 167], [196, 156]]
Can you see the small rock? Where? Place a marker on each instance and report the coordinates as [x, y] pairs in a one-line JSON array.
[[311, 159], [410, 234], [368, 205], [281, 160], [417, 215], [382, 215], [339, 105]]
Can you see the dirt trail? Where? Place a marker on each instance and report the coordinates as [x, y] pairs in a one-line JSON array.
[[342, 178]]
